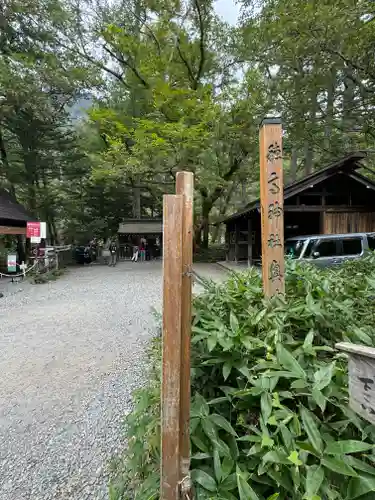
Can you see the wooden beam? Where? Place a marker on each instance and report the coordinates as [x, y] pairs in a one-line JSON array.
[[249, 242], [326, 208], [317, 193], [171, 380], [12, 230], [236, 243], [185, 187], [272, 207], [227, 242]]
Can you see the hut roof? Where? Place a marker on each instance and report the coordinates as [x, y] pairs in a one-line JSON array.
[[11, 210], [347, 165]]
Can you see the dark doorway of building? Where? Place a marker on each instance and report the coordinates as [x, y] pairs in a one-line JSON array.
[[302, 223]]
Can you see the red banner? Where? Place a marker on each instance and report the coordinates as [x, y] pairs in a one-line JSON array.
[[33, 230]]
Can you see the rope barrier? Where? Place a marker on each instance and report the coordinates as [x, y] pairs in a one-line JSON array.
[[18, 275], [56, 250]]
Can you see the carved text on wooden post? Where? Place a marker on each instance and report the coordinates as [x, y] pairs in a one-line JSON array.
[[272, 207]]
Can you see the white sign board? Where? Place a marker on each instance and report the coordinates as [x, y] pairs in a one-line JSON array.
[[361, 379], [12, 263]]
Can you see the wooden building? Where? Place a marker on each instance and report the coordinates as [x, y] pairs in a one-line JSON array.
[[13, 216], [13, 221], [131, 231], [336, 199]]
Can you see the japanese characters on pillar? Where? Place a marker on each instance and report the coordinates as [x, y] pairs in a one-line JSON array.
[[272, 206]]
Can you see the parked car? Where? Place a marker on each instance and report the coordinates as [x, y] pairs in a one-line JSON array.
[[82, 255], [329, 249]]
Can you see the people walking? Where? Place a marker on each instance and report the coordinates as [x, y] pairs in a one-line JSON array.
[[135, 253], [113, 252], [143, 251]]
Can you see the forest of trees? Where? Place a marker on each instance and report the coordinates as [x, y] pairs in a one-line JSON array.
[[167, 85]]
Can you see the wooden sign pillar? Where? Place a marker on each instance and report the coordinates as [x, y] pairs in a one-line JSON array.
[[272, 206], [177, 295]]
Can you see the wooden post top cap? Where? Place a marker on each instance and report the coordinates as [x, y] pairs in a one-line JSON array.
[[356, 349], [269, 120]]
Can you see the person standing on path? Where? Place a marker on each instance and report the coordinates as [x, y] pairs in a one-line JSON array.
[[135, 253], [143, 250], [113, 251]]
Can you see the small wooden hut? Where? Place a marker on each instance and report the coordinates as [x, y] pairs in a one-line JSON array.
[[13, 216], [13, 222], [131, 231], [336, 199]]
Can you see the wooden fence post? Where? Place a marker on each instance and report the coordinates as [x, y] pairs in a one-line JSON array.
[[185, 187], [171, 366], [272, 206]]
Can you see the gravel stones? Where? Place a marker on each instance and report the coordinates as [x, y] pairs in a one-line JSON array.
[[71, 354]]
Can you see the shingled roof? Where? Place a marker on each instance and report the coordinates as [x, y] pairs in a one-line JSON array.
[[347, 165], [11, 210]]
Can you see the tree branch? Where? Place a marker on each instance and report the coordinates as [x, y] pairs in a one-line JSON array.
[[201, 44], [153, 36], [218, 191], [347, 61], [96, 63], [186, 62], [127, 63]]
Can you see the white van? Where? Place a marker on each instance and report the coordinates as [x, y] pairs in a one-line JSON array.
[[329, 249]]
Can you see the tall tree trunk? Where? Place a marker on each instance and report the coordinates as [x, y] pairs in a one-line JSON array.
[[52, 230], [208, 201], [222, 211], [331, 88], [21, 250], [309, 153], [243, 192], [205, 228], [136, 109], [30, 162], [293, 165], [3, 153], [308, 158], [348, 119], [198, 236], [48, 210], [137, 201]]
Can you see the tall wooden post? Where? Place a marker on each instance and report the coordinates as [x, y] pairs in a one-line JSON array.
[[171, 367], [272, 206], [177, 296], [185, 187]]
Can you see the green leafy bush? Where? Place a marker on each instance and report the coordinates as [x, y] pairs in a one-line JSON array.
[[42, 278], [214, 253], [270, 416]]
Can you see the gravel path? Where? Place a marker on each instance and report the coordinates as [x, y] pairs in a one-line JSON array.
[[210, 271], [71, 354]]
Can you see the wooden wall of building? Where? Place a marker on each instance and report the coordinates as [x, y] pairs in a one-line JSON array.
[[243, 238], [348, 222]]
